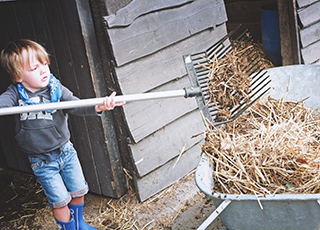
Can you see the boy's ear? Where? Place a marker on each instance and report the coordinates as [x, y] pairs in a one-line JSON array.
[[18, 79]]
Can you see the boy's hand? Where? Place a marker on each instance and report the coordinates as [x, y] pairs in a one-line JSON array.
[[109, 104]]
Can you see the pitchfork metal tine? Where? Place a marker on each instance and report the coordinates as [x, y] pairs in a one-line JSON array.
[[200, 69], [250, 97], [254, 86], [221, 41], [216, 46], [257, 74], [223, 50], [254, 68], [241, 111], [236, 111], [210, 54], [249, 52], [251, 65], [232, 46]]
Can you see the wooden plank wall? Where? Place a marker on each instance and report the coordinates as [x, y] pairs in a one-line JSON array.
[[309, 18], [56, 25], [288, 25], [148, 40]]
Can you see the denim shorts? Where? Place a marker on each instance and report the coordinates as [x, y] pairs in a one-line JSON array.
[[61, 179]]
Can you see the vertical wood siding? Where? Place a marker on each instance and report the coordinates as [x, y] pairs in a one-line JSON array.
[[56, 25]]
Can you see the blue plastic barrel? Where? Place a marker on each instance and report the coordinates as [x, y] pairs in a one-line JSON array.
[[271, 33]]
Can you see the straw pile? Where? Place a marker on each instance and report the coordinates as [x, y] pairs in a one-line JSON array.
[[272, 149], [227, 77], [229, 80]]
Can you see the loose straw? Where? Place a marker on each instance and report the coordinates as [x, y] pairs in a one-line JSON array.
[[273, 148]]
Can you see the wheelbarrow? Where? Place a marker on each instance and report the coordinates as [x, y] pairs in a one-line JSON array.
[[270, 212]]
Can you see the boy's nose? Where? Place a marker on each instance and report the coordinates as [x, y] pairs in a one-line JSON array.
[[43, 69]]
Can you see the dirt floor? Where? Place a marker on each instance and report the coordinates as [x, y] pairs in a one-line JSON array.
[[23, 205]]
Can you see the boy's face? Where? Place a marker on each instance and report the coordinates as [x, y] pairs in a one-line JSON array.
[[35, 75]]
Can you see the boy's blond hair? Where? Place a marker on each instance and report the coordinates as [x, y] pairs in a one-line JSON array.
[[12, 58]]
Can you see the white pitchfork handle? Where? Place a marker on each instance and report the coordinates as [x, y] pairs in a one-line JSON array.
[[186, 92]]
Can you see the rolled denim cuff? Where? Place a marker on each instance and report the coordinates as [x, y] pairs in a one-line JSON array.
[[61, 204], [80, 193]]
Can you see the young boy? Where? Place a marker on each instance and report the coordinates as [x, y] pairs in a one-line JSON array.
[[44, 135]]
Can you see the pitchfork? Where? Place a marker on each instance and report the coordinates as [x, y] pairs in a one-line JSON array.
[[198, 77]]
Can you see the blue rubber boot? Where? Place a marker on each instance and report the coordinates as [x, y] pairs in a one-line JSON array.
[[70, 225], [78, 217]]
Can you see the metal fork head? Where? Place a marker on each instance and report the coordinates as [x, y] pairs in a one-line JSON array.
[[198, 67]]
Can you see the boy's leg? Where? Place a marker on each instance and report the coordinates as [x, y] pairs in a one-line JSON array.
[[51, 182], [80, 223], [77, 200], [63, 222], [62, 214], [50, 179], [76, 184], [71, 172]]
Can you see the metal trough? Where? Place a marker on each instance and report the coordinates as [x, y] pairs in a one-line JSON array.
[[270, 212]]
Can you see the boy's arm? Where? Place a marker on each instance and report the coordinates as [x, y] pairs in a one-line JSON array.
[[9, 98], [67, 95], [108, 104]]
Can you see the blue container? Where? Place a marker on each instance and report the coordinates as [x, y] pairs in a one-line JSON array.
[[271, 33]]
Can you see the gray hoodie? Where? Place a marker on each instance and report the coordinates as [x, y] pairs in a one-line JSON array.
[[42, 132]]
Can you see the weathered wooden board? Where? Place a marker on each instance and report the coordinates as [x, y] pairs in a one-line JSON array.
[[67, 46], [9, 21], [157, 30], [310, 14], [106, 154], [146, 117], [165, 65], [113, 6], [310, 34], [303, 3], [310, 54], [288, 25], [137, 8], [56, 25], [168, 174], [167, 143]]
